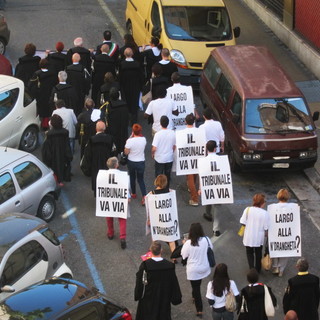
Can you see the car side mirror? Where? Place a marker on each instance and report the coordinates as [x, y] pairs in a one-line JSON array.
[[236, 32], [156, 32], [7, 289], [315, 116]]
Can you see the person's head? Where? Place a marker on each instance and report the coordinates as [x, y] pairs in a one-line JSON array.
[[89, 103], [195, 232], [252, 276], [211, 146], [154, 42], [114, 94], [43, 64], [161, 92], [107, 35], [100, 126], [283, 195], [137, 129], [190, 118], [105, 48], [164, 121], [60, 103], [62, 75], [161, 181], [30, 49], [128, 53], [175, 77], [56, 121], [113, 163], [221, 280], [108, 77], [291, 315], [128, 40], [207, 113], [155, 248], [156, 70], [78, 42], [302, 265], [59, 46], [258, 200], [76, 57], [165, 53]]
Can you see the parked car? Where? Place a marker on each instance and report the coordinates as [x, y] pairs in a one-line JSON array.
[[4, 34], [5, 66], [29, 252], [26, 185], [61, 299], [19, 121]]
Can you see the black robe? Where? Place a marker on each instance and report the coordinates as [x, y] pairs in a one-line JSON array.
[[150, 59], [26, 67], [136, 54], [162, 290], [85, 57], [113, 52], [168, 69], [158, 82], [56, 153], [57, 61], [67, 93], [105, 91]]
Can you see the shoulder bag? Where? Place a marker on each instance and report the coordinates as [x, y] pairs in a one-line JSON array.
[[210, 254], [268, 305], [266, 262], [144, 279], [242, 228], [243, 315], [231, 304]]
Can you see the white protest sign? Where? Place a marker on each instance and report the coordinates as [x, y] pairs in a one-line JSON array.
[[163, 215], [215, 179], [190, 146], [112, 194], [284, 234], [182, 96]]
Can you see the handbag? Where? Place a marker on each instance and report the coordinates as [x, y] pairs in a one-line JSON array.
[[146, 98], [210, 255], [243, 227], [243, 315], [231, 304], [144, 280], [268, 305], [266, 261]]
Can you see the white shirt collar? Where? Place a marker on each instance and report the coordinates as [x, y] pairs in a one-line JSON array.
[[157, 258], [129, 59]]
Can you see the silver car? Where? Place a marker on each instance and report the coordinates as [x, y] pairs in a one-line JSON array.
[[26, 185], [29, 252]]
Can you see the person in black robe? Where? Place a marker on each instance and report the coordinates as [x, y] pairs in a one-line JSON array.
[[97, 152], [57, 60], [130, 43], [158, 81], [41, 85], [168, 67], [28, 64], [113, 47], [85, 54], [131, 82], [102, 64], [103, 94], [56, 151], [161, 288], [65, 92]]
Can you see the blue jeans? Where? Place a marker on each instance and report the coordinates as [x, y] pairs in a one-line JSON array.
[[136, 170], [163, 168], [225, 315]]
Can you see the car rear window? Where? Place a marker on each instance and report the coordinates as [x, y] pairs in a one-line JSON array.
[[50, 235], [7, 188], [8, 100], [27, 173]]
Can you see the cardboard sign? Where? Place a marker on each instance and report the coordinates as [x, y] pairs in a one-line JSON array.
[[284, 233], [215, 180], [163, 215], [182, 96], [190, 146], [112, 194]]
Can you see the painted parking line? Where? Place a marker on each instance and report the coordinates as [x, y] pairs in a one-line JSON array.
[[69, 212]]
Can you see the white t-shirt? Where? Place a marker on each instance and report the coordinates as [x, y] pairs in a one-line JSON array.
[[158, 108], [136, 145], [164, 141], [69, 120], [213, 131], [198, 265], [220, 302]]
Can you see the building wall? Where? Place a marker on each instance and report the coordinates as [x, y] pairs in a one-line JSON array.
[[307, 20]]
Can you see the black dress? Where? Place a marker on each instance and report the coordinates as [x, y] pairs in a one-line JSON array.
[[26, 67], [67, 93], [57, 61], [150, 59]]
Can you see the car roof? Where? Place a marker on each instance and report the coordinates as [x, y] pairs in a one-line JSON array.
[[14, 227], [51, 297], [9, 155], [255, 72], [193, 3], [8, 80]]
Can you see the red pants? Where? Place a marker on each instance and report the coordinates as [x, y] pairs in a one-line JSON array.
[[122, 227], [191, 182]]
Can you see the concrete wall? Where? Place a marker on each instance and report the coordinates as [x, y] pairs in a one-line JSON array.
[[309, 56]]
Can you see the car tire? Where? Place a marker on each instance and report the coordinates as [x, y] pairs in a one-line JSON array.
[[66, 276], [2, 46], [129, 27], [234, 166], [29, 139], [47, 208]]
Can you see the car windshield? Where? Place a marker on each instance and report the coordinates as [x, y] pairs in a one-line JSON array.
[[269, 116], [197, 23]]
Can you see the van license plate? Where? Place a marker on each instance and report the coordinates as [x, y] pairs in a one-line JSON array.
[[280, 165]]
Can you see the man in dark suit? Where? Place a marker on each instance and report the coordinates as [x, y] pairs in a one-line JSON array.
[[302, 293], [113, 47], [84, 53]]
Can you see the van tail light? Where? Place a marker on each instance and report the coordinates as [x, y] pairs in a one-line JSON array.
[[126, 316], [55, 177]]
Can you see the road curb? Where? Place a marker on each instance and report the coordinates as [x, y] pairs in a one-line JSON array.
[[314, 178]]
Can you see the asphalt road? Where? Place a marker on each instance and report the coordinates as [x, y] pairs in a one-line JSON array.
[[93, 258]]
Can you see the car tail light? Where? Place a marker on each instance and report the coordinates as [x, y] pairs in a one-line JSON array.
[[55, 177], [126, 316]]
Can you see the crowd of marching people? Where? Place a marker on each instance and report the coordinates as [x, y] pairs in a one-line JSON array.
[[94, 96]]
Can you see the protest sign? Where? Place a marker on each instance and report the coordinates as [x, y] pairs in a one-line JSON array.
[[284, 234], [215, 179], [112, 194], [182, 96], [190, 146], [163, 215]]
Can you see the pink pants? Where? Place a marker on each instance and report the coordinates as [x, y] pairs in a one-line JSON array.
[[122, 227]]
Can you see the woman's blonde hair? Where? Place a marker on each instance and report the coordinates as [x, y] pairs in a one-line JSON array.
[[161, 181], [283, 195]]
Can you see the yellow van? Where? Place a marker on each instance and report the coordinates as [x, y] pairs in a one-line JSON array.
[[188, 28]]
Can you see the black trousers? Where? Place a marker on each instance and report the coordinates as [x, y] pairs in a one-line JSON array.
[[196, 294], [254, 255]]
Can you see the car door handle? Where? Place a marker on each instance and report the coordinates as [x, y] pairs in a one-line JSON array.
[[17, 203], [19, 118]]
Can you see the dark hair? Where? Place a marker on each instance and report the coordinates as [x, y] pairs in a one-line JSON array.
[[156, 70], [109, 77], [155, 248], [56, 121], [221, 280], [107, 35], [190, 118], [161, 92], [155, 41], [59, 46], [114, 94], [302, 265], [207, 113], [30, 49], [195, 232], [43, 63], [252, 276], [165, 52], [130, 43], [60, 103], [211, 145], [175, 77], [164, 121]]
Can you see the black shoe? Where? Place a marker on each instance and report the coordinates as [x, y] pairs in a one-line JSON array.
[[208, 217], [217, 233], [123, 243], [110, 237]]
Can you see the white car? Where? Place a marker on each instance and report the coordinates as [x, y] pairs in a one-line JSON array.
[[19, 121], [26, 185]]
